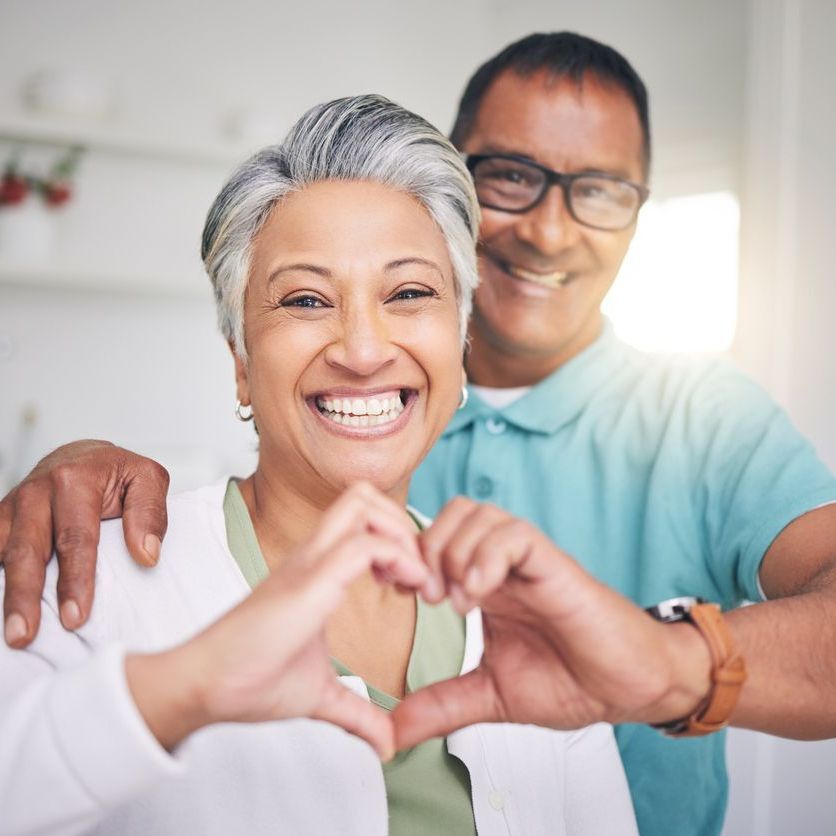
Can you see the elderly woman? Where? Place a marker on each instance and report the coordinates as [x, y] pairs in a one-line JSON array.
[[342, 263]]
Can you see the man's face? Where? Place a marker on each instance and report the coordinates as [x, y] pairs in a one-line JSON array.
[[543, 274]]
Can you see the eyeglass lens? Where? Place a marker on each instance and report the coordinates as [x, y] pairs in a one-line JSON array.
[[516, 186]]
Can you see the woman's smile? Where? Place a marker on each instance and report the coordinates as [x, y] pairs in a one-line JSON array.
[[364, 415]]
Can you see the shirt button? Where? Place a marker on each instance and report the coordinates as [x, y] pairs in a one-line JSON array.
[[495, 426], [483, 487], [496, 800]]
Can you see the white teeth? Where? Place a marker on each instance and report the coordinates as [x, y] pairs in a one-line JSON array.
[[358, 412], [360, 406], [547, 279]]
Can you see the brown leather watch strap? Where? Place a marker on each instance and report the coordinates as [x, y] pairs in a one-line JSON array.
[[728, 673]]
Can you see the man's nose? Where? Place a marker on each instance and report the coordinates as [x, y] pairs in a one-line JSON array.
[[549, 227], [364, 343]]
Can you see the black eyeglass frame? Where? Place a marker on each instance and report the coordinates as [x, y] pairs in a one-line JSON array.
[[561, 179]]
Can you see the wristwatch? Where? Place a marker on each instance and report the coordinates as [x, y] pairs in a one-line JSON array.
[[728, 669]]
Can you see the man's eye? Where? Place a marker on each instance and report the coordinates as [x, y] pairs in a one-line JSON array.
[[303, 302], [508, 176]]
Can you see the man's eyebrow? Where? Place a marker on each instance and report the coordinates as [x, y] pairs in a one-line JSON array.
[[613, 171], [310, 268], [409, 260]]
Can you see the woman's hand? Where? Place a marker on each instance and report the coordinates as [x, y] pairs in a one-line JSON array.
[[267, 658], [60, 504], [561, 649]]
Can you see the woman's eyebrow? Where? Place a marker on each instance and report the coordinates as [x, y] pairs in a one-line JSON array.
[[403, 262], [311, 268]]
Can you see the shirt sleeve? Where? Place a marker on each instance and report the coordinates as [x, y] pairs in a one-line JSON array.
[[757, 474], [74, 745], [597, 796]]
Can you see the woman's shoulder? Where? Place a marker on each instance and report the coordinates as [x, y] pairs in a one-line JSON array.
[[194, 517], [194, 581]]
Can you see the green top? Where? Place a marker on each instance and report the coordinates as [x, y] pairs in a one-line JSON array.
[[663, 477], [427, 788]]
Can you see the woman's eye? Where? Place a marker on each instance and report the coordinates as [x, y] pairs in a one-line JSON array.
[[412, 293], [303, 302]]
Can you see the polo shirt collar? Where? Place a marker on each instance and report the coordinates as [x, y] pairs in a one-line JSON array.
[[558, 399]]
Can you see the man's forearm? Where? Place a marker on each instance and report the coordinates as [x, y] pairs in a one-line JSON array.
[[790, 649]]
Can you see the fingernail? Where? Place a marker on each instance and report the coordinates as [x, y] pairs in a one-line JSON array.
[[458, 599], [473, 578], [386, 753], [432, 588], [15, 628], [152, 544], [70, 614]]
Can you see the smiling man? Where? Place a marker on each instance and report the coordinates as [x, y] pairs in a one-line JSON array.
[[662, 477]]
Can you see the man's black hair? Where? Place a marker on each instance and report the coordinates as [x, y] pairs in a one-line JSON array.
[[562, 55]]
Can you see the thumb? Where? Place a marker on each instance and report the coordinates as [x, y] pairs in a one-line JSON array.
[[444, 707], [359, 717]]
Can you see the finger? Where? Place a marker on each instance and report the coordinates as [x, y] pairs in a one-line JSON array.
[[474, 530], [27, 552], [442, 708], [363, 507], [76, 515], [358, 717], [495, 557], [144, 516], [319, 587], [433, 540], [364, 552]]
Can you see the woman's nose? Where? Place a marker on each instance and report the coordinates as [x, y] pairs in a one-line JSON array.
[[364, 343]]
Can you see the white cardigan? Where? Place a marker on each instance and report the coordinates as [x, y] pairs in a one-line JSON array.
[[76, 756]]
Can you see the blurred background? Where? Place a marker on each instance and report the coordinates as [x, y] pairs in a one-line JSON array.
[[127, 117]]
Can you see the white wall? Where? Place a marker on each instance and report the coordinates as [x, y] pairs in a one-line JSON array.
[[785, 333]]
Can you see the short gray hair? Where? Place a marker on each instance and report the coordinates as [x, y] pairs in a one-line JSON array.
[[354, 138]]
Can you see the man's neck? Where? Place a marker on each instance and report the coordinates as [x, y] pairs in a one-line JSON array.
[[501, 367]]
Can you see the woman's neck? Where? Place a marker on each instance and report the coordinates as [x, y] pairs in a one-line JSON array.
[[372, 631]]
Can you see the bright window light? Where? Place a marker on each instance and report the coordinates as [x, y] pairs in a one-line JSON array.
[[677, 289]]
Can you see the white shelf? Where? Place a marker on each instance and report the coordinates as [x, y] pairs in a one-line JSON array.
[[46, 276], [112, 140]]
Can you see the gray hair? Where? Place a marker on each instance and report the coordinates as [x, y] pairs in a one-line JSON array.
[[354, 138]]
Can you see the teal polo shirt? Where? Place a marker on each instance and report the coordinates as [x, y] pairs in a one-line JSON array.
[[663, 476]]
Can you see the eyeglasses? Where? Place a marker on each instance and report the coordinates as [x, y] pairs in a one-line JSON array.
[[515, 184]]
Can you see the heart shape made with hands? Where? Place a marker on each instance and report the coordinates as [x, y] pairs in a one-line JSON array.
[[560, 649]]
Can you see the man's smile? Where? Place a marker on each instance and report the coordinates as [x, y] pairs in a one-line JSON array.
[[552, 278]]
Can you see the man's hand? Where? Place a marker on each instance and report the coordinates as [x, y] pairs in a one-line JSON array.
[[561, 649], [59, 505], [267, 658]]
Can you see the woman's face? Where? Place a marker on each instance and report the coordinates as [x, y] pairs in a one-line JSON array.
[[352, 334]]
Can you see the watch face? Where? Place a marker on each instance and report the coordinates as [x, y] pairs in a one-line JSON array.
[[674, 609]]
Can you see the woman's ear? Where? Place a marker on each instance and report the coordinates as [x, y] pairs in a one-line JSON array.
[[242, 383]]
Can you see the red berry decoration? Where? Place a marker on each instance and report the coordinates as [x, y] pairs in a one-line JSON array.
[[57, 193], [13, 189]]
